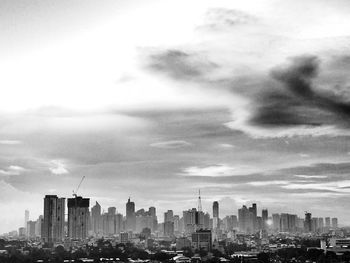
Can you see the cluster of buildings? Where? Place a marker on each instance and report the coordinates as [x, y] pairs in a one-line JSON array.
[[73, 219]]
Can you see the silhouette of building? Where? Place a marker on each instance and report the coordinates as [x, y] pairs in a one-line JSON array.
[[130, 216], [96, 220], [202, 239], [78, 217], [334, 222], [265, 217], [53, 224], [307, 223], [215, 215]]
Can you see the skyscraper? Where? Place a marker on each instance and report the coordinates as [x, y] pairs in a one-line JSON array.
[[307, 222], [265, 216], [215, 215], [334, 222], [96, 219], [53, 223], [130, 216], [78, 217], [26, 217]]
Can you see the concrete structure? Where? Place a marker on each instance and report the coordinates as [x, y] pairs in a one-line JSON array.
[[78, 217], [53, 223]]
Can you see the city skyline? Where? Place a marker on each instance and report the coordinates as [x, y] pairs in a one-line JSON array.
[[248, 101]]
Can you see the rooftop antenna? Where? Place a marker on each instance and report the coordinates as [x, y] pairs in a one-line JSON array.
[[199, 201]]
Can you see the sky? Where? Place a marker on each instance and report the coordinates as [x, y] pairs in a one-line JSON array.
[[248, 101]]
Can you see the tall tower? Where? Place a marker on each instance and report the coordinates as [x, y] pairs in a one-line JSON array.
[[53, 223], [96, 219], [215, 215], [78, 217], [307, 222], [130, 216], [199, 201]]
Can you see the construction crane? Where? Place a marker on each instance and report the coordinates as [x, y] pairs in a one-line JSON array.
[[76, 191]]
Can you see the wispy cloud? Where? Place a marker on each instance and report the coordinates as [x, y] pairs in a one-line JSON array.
[[12, 170], [216, 170], [170, 144], [10, 142]]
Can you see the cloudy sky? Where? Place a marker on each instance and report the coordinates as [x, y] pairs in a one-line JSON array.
[[154, 99]]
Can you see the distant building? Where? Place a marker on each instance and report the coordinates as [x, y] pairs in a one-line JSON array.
[[276, 218], [328, 222], [26, 218], [96, 220], [22, 232], [53, 223], [31, 229], [265, 217], [215, 215], [334, 222], [202, 239], [130, 216], [307, 223], [124, 237], [182, 242], [78, 217]]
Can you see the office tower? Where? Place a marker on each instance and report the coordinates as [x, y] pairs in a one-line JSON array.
[[119, 223], [169, 223], [168, 229], [264, 216], [78, 217], [320, 224], [176, 223], [53, 223], [38, 226], [31, 229], [284, 222], [215, 215], [334, 222], [328, 222], [307, 222], [202, 239], [26, 217], [253, 215], [169, 216], [206, 221], [190, 219], [314, 224], [276, 222], [245, 219], [130, 216], [96, 219]]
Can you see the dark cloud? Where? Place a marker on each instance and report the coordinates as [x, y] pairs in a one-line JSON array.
[[180, 65], [296, 100]]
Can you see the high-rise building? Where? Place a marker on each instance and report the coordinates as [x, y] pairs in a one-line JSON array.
[[307, 223], [334, 222], [265, 217], [276, 225], [152, 211], [38, 226], [202, 239], [26, 218], [130, 216], [96, 219], [169, 216], [215, 215], [53, 224], [328, 222], [31, 229], [78, 217], [253, 213]]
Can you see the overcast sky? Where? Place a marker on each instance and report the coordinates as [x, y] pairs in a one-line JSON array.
[[247, 100]]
